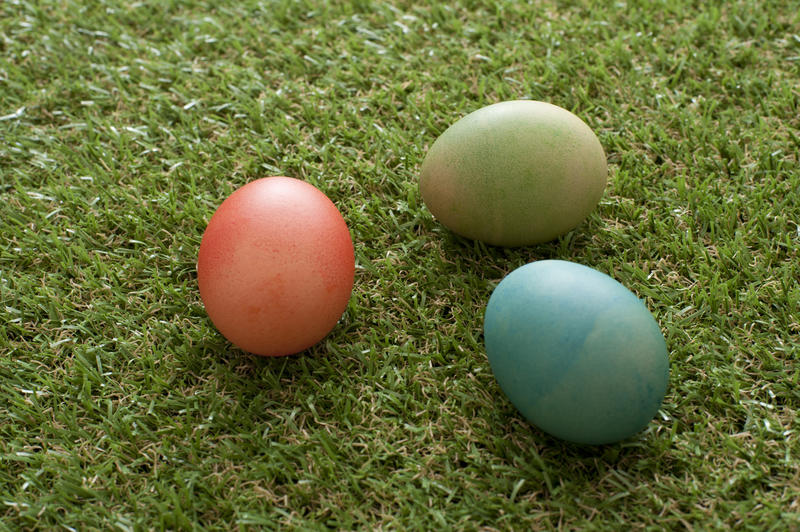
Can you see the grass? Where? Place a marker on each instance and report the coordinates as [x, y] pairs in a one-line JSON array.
[[123, 126]]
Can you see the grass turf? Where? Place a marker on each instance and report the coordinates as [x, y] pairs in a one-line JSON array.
[[124, 125]]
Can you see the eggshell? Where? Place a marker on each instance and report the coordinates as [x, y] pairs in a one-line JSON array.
[[514, 173], [576, 352], [276, 266]]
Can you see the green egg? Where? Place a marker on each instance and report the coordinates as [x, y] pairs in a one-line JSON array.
[[576, 352], [514, 173]]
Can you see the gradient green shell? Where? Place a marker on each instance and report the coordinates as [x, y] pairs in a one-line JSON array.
[[514, 173]]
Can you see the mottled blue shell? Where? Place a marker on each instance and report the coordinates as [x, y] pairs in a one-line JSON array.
[[577, 353]]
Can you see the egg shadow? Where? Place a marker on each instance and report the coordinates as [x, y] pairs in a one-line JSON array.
[[575, 246], [548, 464], [214, 358], [526, 443]]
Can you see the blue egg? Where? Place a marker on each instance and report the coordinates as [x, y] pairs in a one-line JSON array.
[[577, 353]]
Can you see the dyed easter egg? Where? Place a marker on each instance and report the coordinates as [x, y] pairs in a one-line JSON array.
[[514, 173], [275, 267], [576, 352]]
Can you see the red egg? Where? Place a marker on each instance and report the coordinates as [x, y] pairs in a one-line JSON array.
[[276, 266]]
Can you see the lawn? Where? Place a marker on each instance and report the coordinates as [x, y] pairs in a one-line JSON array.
[[123, 125]]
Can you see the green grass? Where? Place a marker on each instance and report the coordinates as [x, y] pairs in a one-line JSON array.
[[124, 125]]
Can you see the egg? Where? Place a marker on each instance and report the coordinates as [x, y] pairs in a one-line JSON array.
[[276, 266], [578, 354], [514, 173]]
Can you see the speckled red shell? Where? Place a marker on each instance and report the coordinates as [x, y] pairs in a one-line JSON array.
[[276, 266]]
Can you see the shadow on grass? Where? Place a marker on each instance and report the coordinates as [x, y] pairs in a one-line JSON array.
[[547, 461], [575, 246], [520, 441], [212, 357]]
